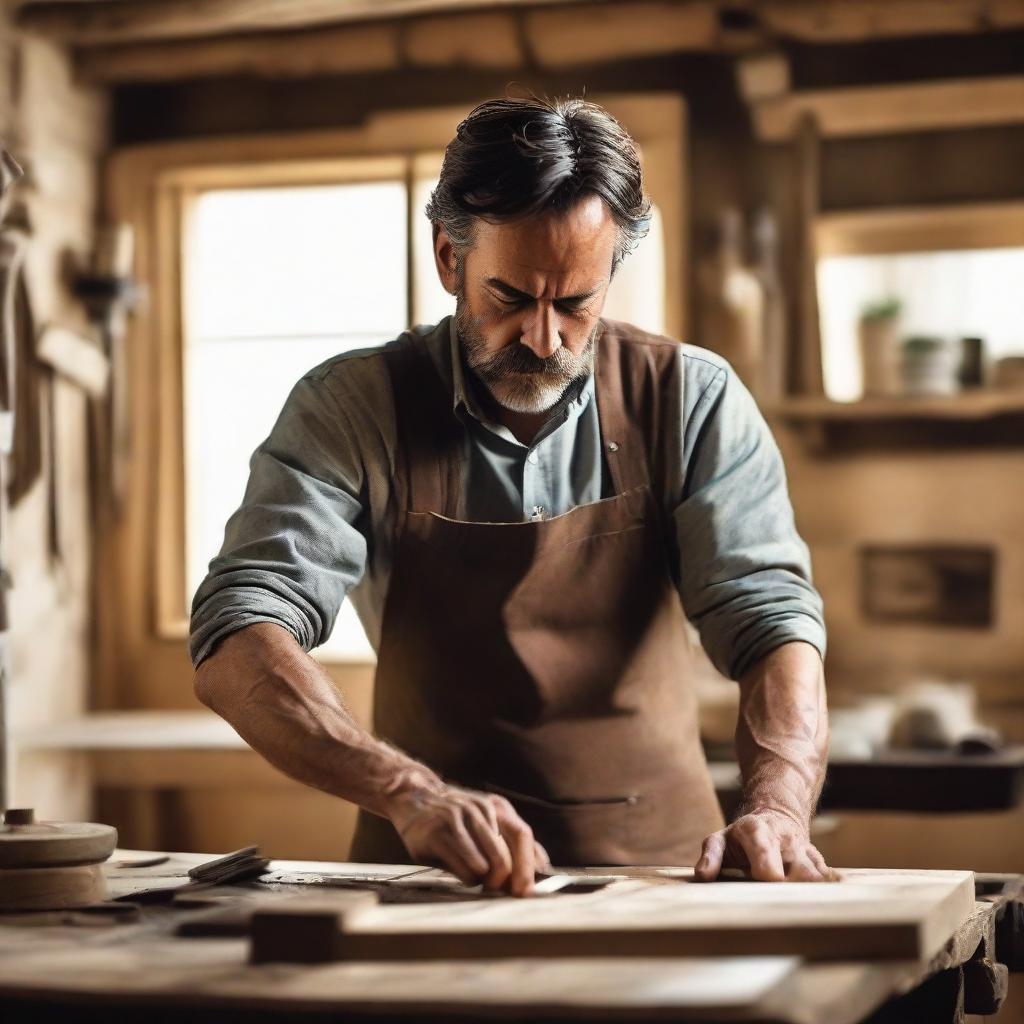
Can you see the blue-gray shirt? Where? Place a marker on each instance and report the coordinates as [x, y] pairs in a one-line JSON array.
[[317, 518]]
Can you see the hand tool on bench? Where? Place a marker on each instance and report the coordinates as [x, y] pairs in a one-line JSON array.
[[232, 867]]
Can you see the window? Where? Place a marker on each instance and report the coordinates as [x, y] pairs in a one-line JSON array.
[[277, 280], [955, 272]]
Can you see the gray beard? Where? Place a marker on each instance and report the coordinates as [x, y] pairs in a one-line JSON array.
[[517, 379]]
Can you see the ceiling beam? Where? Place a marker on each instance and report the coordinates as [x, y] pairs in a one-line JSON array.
[[100, 22], [547, 37], [83, 23], [848, 21], [884, 109], [286, 38]]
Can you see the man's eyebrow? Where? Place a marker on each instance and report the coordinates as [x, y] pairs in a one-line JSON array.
[[514, 293]]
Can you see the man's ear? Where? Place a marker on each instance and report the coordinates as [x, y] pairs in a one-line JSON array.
[[444, 258]]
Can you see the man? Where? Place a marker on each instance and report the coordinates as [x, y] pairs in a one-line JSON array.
[[521, 500]]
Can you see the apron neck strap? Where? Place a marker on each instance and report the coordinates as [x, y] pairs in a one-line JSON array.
[[627, 409], [429, 436]]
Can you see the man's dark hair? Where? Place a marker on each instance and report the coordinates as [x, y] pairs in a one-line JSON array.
[[511, 158]]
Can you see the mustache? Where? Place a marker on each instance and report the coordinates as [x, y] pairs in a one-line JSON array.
[[518, 359]]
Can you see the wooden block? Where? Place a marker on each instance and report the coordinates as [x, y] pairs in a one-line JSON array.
[[304, 930], [56, 888], [869, 914]]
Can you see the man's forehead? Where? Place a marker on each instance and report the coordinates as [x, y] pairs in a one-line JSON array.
[[577, 243]]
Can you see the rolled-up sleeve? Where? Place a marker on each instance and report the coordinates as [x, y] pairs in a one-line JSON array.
[[745, 573], [296, 546]]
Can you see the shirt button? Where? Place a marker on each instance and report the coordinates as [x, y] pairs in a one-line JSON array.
[[531, 458]]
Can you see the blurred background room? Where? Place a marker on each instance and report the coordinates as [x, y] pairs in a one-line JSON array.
[[218, 196]]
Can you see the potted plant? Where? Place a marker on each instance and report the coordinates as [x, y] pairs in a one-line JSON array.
[[879, 339]]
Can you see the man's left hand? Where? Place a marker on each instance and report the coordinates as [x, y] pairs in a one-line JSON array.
[[768, 846]]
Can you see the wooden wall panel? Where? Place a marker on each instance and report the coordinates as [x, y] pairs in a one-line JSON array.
[[58, 130]]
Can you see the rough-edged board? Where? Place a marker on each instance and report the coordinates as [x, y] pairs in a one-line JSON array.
[[214, 973], [868, 915]]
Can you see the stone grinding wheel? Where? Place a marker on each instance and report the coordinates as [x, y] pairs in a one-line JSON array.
[[52, 865]]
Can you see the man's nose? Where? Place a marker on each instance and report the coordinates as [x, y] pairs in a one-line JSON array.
[[540, 333]]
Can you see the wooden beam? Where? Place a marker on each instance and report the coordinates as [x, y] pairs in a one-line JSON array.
[[587, 33], [95, 22], [835, 21], [922, 229], [110, 47], [889, 109], [325, 51], [82, 23], [618, 31], [809, 365]]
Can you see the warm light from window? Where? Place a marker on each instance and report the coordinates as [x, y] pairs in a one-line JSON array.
[[277, 280], [951, 294]]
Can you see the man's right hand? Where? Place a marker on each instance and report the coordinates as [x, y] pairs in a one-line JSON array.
[[477, 836]]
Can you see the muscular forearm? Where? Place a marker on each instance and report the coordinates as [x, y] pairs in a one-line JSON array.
[[782, 733], [283, 704]]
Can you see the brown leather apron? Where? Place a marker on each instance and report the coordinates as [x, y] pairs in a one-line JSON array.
[[544, 660]]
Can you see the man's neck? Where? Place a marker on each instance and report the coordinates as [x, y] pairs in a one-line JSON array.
[[525, 426]]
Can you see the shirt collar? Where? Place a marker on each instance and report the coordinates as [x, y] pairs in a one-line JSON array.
[[572, 403]]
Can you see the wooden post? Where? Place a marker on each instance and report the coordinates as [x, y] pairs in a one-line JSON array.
[[12, 251], [809, 368]]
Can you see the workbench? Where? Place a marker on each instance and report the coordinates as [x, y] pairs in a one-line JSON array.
[[125, 965]]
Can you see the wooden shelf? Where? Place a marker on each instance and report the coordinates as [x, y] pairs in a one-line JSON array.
[[133, 730], [912, 781], [978, 419], [971, 405]]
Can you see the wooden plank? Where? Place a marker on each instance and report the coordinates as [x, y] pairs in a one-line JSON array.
[[971, 406], [916, 229], [605, 32], [349, 50], [834, 21], [133, 965], [106, 21], [103, 21], [655, 911], [692, 987], [214, 972], [876, 915], [552, 37], [134, 730], [887, 109]]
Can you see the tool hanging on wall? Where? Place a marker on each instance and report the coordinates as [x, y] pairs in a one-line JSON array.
[[110, 294]]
